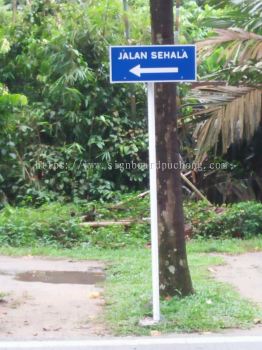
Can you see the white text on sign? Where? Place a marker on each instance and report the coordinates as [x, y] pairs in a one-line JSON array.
[[160, 55]]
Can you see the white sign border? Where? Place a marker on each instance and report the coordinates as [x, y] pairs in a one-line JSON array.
[[151, 81]]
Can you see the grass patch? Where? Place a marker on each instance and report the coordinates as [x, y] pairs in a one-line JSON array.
[[2, 297], [226, 245], [213, 307], [199, 245]]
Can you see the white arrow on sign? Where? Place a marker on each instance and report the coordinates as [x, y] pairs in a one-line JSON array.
[[137, 70]]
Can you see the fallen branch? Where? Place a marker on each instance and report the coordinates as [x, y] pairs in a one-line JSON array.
[[142, 195], [193, 187], [126, 222], [120, 204]]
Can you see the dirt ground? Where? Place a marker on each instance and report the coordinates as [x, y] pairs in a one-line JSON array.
[[244, 272], [63, 299], [42, 305]]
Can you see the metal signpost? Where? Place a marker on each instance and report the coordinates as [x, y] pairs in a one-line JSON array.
[[151, 64]]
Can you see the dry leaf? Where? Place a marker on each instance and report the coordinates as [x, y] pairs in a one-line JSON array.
[[211, 270], [94, 295], [155, 333]]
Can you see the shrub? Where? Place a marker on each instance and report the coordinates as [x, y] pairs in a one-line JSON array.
[[57, 225], [240, 220], [53, 224], [116, 236]]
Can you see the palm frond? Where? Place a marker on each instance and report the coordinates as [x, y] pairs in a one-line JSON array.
[[230, 112], [241, 46], [253, 7], [240, 13], [250, 6]]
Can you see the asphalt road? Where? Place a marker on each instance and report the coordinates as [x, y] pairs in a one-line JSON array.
[[157, 343]]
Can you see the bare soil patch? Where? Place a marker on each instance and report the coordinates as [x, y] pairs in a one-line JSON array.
[[50, 298], [244, 272]]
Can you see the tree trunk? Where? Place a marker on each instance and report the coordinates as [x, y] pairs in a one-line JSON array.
[[14, 9], [126, 20], [174, 273]]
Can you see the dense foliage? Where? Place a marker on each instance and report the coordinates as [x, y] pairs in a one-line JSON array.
[[67, 134], [77, 126], [48, 225], [240, 220], [59, 225]]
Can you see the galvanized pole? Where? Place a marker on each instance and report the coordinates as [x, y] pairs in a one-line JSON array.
[[153, 200]]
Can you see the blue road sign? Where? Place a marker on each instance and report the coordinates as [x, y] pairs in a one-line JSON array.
[[160, 63]]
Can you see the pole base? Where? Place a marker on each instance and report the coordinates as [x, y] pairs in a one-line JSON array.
[[148, 322]]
